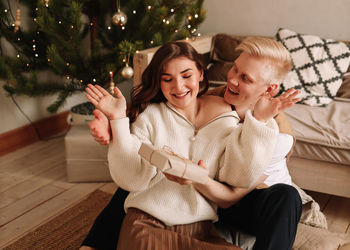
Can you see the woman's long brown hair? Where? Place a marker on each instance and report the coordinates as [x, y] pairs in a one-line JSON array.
[[149, 90]]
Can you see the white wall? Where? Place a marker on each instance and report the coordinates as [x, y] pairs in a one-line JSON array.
[[326, 18]]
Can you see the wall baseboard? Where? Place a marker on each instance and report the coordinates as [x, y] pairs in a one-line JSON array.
[[28, 134]]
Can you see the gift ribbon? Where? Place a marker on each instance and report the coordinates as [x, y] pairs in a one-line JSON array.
[[168, 150]]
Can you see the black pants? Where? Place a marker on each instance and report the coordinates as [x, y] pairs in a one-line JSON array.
[[271, 214]]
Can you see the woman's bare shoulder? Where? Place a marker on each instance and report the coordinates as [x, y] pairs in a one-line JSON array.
[[215, 105]]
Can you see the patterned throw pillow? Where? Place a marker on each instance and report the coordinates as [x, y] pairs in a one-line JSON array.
[[318, 66]]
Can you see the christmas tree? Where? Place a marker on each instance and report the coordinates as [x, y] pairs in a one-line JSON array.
[[86, 41]]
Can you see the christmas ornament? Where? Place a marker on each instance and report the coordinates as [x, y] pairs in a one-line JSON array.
[[119, 18], [127, 72], [18, 20], [111, 83]]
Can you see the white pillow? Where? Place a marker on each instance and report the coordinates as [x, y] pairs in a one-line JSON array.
[[318, 66]]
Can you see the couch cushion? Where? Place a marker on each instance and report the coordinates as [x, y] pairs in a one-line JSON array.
[[322, 133], [318, 66]]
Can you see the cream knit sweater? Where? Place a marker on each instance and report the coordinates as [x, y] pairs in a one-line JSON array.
[[235, 154]]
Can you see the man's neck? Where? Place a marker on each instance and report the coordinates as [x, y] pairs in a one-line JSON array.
[[241, 112]]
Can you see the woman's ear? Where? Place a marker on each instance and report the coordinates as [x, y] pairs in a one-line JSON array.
[[201, 75]]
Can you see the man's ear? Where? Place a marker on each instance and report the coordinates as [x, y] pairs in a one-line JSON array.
[[273, 89]]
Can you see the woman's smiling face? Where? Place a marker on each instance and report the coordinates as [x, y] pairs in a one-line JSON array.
[[179, 82]]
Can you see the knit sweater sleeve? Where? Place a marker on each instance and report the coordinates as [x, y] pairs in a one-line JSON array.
[[127, 168], [248, 151]]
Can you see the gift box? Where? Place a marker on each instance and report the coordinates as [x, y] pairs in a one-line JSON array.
[[168, 162], [86, 160]]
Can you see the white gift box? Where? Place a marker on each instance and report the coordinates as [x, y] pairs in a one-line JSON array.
[[86, 159], [173, 164]]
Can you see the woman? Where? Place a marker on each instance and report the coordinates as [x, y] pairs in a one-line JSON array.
[[166, 111]]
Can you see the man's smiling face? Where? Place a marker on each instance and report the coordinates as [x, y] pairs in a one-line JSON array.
[[247, 80]]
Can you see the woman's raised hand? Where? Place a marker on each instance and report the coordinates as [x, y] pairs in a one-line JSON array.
[[113, 107], [268, 107]]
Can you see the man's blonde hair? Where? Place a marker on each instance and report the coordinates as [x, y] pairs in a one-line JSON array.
[[270, 49]]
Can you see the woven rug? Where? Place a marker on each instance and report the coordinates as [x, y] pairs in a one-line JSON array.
[[67, 230]]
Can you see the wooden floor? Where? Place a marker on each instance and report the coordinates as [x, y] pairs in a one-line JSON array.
[[33, 190]]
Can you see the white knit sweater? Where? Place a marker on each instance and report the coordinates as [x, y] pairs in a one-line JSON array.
[[235, 154]]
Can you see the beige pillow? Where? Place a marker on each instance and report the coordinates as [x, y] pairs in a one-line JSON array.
[[311, 238]]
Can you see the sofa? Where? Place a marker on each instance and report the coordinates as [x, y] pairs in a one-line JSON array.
[[321, 156]]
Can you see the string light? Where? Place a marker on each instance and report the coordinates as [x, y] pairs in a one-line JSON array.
[[149, 7], [189, 26], [59, 22], [67, 77], [36, 55], [172, 10], [134, 11], [109, 27], [94, 80], [48, 59], [123, 27], [17, 55], [5, 10], [67, 64]]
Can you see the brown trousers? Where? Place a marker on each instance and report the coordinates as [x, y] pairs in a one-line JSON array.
[[141, 231]]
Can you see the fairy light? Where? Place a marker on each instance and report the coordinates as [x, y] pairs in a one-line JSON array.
[[189, 26], [34, 19], [152, 42], [172, 10], [196, 16], [17, 55], [167, 22], [5, 10], [72, 26], [67, 64], [48, 59], [36, 55], [190, 18], [123, 27], [59, 22], [91, 24], [134, 11], [149, 7], [109, 28], [18, 39], [67, 77], [164, 20], [94, 80]]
